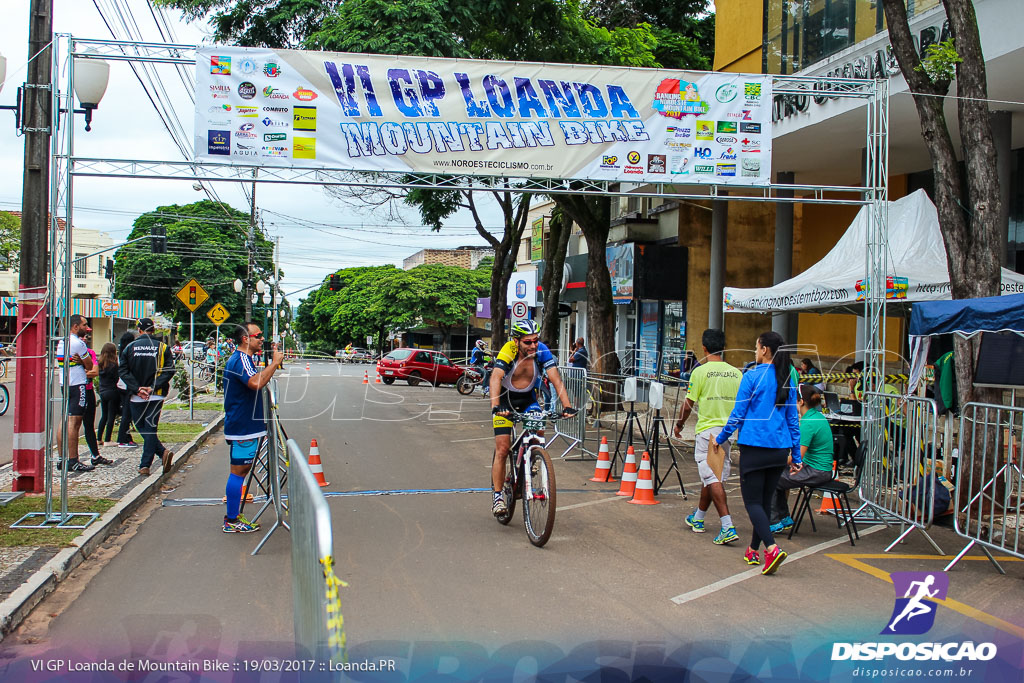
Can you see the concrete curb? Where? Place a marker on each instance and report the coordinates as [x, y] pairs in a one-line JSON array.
[[19, 603]]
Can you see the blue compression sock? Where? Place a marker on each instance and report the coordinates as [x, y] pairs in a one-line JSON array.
[[233, 491]]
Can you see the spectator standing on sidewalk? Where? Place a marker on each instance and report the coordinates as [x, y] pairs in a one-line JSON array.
[[579, 357], [89, 418], [765, 413], [110, 397], [713, 387], [244, 424], [146, 368], [79, 362], [124, 434]]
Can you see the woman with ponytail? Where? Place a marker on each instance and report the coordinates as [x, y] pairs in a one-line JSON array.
[[769, 440]]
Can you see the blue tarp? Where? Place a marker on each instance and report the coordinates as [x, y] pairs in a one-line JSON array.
[[968, 316]]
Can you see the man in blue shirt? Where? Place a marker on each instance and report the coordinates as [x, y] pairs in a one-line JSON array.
[[244, 424]]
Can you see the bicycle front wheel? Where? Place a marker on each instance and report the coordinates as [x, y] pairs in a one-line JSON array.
[[5, 399], [539, 498]]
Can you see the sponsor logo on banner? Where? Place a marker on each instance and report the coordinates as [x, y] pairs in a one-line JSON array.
[[727, 92], [725, 127], [750, 128], [675, 99], [633, 157], [220, 92], [702, 152], [245, 127], [220, 66], [678, 163], [242, 150], [656, 163], [752, 94], [248, 66], [725, 139], [729, 153], [304, 148], [749, 146], [680, 146], [245, 134], [913, 614], [747, 115], [304, 94], [274, 137], [273, 151], [277, 110], [271, 123], [304, 118], [217, 109], [218, 142], [736, 114], [271, 70], [272, 93], [246, 90], [248, 112], [704, 169], [725, 169], [705, 130], [609, 162], [218, 122], [751, 167]]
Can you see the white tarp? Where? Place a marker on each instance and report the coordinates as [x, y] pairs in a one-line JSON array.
[[354, 112], [916, 267]]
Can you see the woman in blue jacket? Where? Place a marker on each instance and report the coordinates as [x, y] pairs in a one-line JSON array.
[[769, 440]]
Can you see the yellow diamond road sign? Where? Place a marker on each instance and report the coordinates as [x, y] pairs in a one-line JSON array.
[[192, 295], [218, 314]]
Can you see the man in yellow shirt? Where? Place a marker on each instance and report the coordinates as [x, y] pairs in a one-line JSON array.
[[713, 388]]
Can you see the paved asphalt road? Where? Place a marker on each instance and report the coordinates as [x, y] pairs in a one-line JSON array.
[[437, 584]]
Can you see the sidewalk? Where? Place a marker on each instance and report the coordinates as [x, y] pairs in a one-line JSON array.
[[29, 572]]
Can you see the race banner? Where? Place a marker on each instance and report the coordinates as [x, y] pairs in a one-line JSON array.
[[360, 112]]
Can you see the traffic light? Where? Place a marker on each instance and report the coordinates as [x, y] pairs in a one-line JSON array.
[[335, 283], [192, 296], [158, 239], [108, 272]]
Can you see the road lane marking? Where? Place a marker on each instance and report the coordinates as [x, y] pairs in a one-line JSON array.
[[854, 560], [477, 438], [590, 502], [750, 573]]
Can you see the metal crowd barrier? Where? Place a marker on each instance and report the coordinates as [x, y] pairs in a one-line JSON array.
[[319, 625], [273, 461], [990, 442], [573, 430], [895, 485]]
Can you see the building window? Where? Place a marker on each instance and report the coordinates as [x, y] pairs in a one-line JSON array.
[[81, 266], [799, 33]]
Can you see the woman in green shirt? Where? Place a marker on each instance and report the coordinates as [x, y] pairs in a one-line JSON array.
[[815, 450]]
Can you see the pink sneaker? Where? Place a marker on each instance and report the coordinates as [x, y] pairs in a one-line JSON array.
[[751, 557], [772, 560]]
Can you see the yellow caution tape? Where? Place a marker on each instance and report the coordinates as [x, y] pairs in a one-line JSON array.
[[335, 621]]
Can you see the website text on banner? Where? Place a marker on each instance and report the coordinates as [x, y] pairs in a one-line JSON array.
[[466, 117]]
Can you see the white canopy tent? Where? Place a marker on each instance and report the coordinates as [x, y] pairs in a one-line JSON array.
[[916, 268]]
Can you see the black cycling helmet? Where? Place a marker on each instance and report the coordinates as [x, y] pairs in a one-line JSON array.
[[522, 328]]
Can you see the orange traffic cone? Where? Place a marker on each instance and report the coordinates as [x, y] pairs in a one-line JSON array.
[[314, 464], [377, 381], [644, 493], [307, 366], [628, 474], [828, 504], [366, 376], [603, 470]]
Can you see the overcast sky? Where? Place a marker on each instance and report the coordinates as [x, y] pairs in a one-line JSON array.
[[318, 234]]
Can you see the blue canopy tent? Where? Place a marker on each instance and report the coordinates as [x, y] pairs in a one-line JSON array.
[[965, 317]]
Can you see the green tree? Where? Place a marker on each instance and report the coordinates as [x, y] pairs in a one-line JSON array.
[[438, 294], [205, 240], [10, 240]]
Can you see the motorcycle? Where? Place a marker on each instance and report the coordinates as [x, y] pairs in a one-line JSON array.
[[472, 376]]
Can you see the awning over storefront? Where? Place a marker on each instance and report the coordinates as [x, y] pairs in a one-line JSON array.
[[128, 309], [916, 267]]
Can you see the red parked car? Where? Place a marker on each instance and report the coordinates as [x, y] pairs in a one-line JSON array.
[[418, 365]]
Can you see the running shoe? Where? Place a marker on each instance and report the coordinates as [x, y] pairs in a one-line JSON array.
[[100, 460], [751, 557], [499, 507], [726, 536], [239, 526], [696, 524], [130, 444], [78, 466], [772, 560], [785, 524], [255, 525]]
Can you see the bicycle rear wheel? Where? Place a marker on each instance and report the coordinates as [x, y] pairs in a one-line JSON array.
[[465, 385], [508, 491], [539, 498], [5, 399]]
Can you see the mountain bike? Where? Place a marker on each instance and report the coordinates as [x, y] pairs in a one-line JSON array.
[[529, 476]]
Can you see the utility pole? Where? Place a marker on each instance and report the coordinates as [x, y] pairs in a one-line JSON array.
[[29, 408], [251, 247]]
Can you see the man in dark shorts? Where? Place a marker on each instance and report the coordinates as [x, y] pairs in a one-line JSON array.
[[244, 424], [515, 383], [79, 362]]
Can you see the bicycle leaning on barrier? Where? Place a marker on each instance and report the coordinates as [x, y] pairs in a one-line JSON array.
[[530, 476]]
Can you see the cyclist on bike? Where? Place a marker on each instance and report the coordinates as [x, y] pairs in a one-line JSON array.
[[481, 359], [515, 384]]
